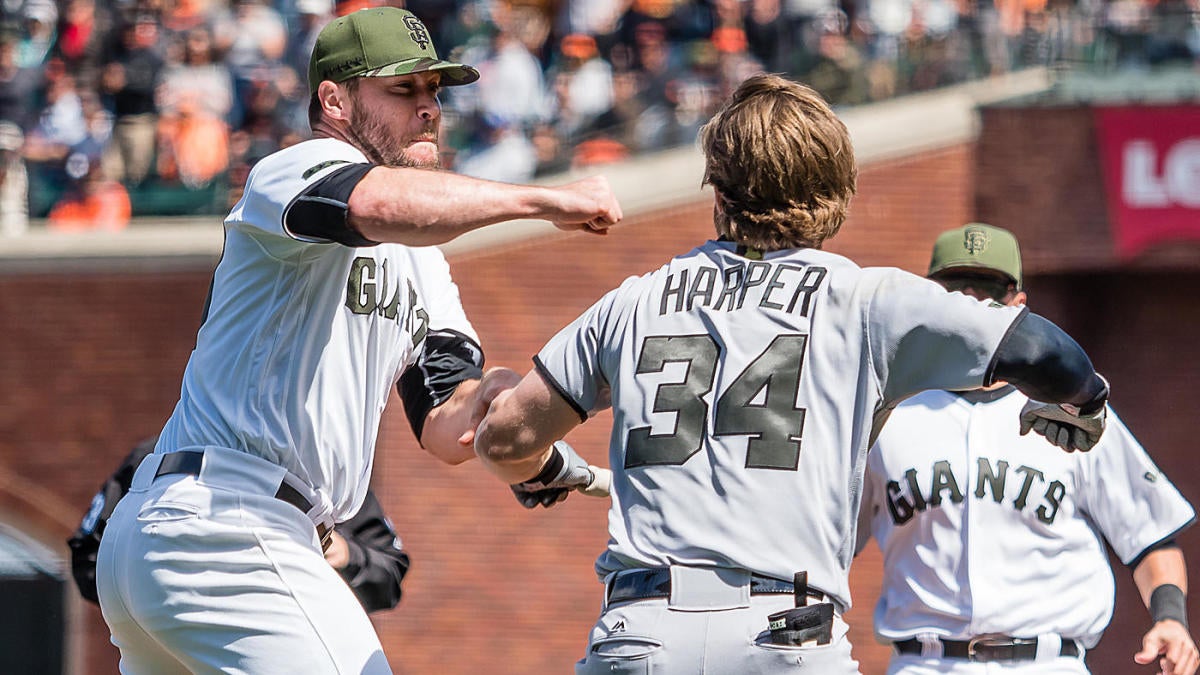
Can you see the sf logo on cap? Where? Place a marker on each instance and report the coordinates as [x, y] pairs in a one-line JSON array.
[[418, 33], [975, 241]]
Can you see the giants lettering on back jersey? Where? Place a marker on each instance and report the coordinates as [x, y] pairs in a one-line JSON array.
[[987, 531], [303, 340], [744, 396]]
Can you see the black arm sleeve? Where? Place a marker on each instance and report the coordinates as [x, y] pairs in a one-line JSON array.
[[1047, 365], [321, 210], [85, 542], [377, 563], [449, 358]]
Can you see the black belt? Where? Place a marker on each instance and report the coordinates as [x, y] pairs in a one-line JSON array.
[[989, 648], [655, 582], [190, 461]]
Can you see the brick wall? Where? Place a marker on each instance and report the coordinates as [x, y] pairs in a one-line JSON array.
[[93, 363]]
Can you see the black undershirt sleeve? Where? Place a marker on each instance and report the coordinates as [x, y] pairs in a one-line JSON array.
[[321, 210], [449, 358], [1047, 365]]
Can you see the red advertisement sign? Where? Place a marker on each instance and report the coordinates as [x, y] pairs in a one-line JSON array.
[[1151, 159]]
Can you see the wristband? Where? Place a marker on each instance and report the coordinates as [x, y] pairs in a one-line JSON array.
[[550, 471], [1168, 602]]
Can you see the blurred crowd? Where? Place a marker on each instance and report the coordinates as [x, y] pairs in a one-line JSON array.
[[116, 108]]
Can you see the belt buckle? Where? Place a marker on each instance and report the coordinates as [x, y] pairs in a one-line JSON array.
[[991, 641]]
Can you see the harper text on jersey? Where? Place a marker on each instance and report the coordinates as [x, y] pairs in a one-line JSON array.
[[774, 285], [902, 508]]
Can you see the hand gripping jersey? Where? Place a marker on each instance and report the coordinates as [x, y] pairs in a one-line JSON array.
[[987, 531], [303, 340], [744, 394]]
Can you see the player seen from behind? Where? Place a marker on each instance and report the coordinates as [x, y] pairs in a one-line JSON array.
[[747, 378]]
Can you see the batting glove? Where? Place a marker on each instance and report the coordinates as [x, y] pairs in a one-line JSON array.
[[564, 472], [1063, 425]]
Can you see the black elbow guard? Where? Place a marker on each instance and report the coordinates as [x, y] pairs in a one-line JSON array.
[[1046, 364]]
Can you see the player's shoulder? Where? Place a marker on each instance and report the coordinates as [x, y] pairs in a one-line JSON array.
[[913, 415], [892, 279], [306, 159], [929, 400], [312, 156]]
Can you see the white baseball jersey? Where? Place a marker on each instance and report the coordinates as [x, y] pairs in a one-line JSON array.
[[303, 340], [987, 531], [744, 393]]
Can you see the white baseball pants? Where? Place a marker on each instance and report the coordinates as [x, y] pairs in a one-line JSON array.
[[213, 573]]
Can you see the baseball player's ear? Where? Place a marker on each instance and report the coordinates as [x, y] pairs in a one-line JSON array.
[[1019, 298], [334, 100]]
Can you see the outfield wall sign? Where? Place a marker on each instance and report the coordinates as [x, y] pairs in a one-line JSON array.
[[1151, 159]]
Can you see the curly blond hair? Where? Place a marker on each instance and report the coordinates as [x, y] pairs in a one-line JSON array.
[[782, 165]]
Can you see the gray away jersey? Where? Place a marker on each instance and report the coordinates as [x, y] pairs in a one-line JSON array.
[[303, 340], [987, 531], [744, 395]]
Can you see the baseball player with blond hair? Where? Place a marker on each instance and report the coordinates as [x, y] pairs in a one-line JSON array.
[[747, 379], [327, 295], [993, 544]]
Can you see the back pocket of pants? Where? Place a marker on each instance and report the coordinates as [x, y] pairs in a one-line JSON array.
[[167, 512], [623, 654]]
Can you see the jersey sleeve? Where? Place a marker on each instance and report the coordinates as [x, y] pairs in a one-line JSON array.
[[278, 179], [923, 337], [572, 361], [1133, 504]]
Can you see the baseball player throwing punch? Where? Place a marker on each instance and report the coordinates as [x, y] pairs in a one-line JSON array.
[[991, 541], [746, 379], [364, 550], [319, 306]]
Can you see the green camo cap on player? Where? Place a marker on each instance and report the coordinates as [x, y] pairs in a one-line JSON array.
[[379, 42], [977, 246]]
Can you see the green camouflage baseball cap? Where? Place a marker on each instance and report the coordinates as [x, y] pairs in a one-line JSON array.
[[379, 42], [977, 246]]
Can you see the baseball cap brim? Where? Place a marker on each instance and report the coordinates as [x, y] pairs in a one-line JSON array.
[[953, 269], [453, 74]]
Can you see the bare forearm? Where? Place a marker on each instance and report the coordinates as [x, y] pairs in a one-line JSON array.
[[517, 470], [1162, 566], [514, 439], [421, 207], [447, 422], [1161, 578], [449, 430]]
